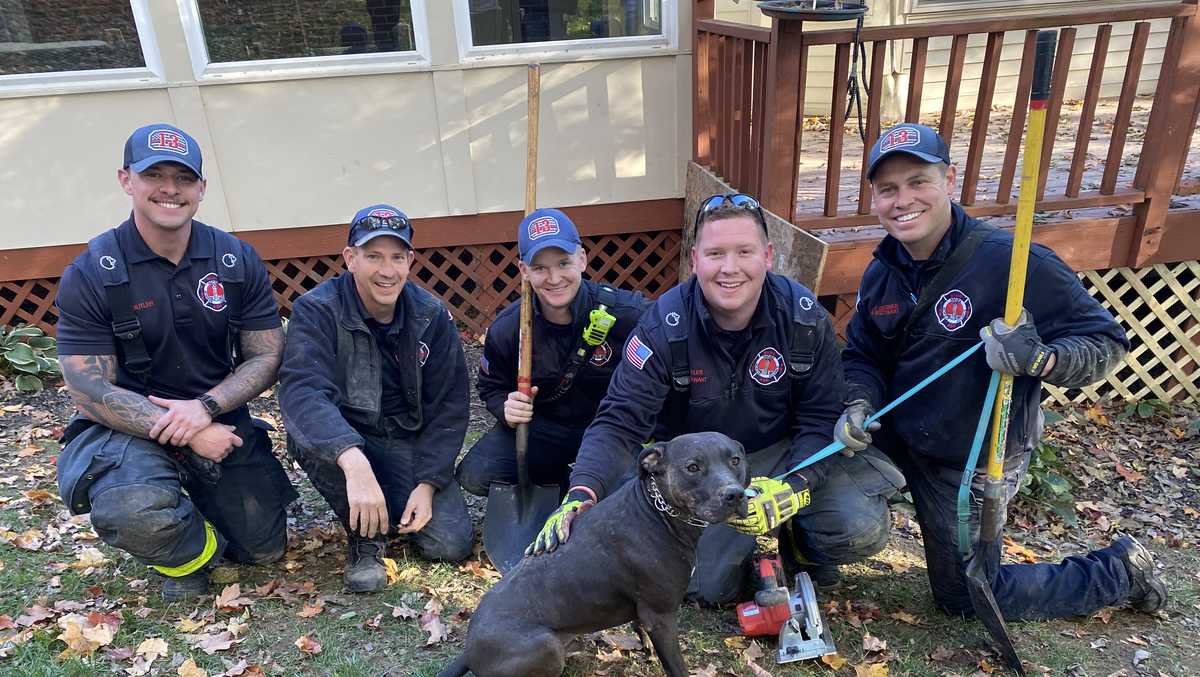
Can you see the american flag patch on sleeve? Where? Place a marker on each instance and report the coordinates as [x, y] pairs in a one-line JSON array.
[[637, 352]]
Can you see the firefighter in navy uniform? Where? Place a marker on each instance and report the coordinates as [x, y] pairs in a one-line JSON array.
[[373, 391], [579, 327], [743, 351], [167, 327], [936, 283]]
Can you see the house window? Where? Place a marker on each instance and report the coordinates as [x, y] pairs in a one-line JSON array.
[[235, 30], [521, 22], [55, 36]]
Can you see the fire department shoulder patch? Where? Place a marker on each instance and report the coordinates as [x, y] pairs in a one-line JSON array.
[[953, 310], [211, 292], [767, 367]]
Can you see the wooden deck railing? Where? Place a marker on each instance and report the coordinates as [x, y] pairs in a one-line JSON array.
[[750, 87]]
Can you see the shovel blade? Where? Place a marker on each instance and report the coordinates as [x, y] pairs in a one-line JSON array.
[[513, 519], [988, 612]]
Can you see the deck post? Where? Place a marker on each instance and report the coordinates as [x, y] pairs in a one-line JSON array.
[[781, 120]]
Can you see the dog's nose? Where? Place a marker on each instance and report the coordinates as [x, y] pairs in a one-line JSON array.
[[731, 495]]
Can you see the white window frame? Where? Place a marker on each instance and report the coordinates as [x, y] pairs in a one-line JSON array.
[[468, 53], [306, 66], [56, 82]]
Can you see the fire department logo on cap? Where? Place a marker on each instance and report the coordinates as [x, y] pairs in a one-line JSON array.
[[767, 367], [542, 226], [383, 213], [953, 310], [211, 293], [422, 353], [168, 140], [899, 138], [601, 356]]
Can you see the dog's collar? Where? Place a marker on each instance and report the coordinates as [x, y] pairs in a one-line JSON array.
[[661, 505]]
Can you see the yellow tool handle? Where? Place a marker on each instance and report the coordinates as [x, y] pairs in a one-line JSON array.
[[1022, 236]]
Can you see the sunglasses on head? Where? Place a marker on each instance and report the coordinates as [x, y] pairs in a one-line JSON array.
[[737, 200], [378, 222]]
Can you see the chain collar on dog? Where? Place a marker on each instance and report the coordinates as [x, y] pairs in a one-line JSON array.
[[662, 506]]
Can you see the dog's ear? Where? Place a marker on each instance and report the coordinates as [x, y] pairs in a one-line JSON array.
[[744, 466], [651, 458]]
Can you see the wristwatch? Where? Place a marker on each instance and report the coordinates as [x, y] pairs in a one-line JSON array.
[[210, 405]]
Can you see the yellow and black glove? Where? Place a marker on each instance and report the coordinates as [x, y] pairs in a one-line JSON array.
[[557, 528], [773, 502]]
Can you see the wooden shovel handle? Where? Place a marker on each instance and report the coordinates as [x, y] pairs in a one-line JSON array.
[[525, 358]]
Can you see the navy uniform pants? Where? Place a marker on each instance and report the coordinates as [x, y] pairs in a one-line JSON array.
[[144, 501], [552, 450], [448, 536], [846, 521], [1077, 586]]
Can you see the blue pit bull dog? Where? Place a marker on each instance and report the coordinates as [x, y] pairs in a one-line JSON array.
[[628, 559]]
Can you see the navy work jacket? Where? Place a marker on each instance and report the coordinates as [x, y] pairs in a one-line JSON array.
[[881, 363], [553, 346], [331, 380], [750, 396]]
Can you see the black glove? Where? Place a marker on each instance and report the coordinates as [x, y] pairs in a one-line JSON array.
[[195, 467], [850, 429], [1016, 350]]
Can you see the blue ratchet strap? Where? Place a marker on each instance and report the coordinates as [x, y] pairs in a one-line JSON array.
[[836, 446], [964, 487]]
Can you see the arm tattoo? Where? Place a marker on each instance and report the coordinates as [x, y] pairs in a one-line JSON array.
[[263, 351], [91, 381]]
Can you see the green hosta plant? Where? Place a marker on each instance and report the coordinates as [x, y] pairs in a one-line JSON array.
[[29, 356]]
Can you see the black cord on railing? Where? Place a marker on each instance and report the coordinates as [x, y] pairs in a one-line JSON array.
[[858, 54]]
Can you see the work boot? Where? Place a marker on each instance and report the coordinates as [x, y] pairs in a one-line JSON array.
[[824, 576], [1147, 592], [365, 571], [178, 588]]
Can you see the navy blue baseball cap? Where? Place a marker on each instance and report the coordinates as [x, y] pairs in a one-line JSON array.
[[543, 228], [917, 140], [156, 143], [371, 222]]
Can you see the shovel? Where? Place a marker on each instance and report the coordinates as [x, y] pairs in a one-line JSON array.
[[991, 518], [516, 513]]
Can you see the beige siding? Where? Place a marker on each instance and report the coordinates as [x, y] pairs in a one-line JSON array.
[[444, 140]]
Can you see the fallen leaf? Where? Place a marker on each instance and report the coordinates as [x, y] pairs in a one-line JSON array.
[[621, 640], [189, 669], [756, 669], [231, 599], [118, 653], [985, 667], [477, 569], [1134, 639], [1096, 415], [1140, 656], [393, 570], [89, 558], [39, 496], [30, 539], [753, 652], [1019, 552], [905, 617], [404, 612], [188, 625], [1099, 643], [1130, 475], [1104, 615], [834, 661], [141, 666], [432, 623], [82, 637], [872, 644], [871, 670], [212, 642], [6, 622], [736, 643], [941, 653], [900, 567], [33, 615], [152, 648], [311, 610], [308, 645], [372, 623], [709, 670]]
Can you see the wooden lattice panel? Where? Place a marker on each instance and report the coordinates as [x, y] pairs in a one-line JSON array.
[[29, 302], [1158, 307], [477, 281]]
